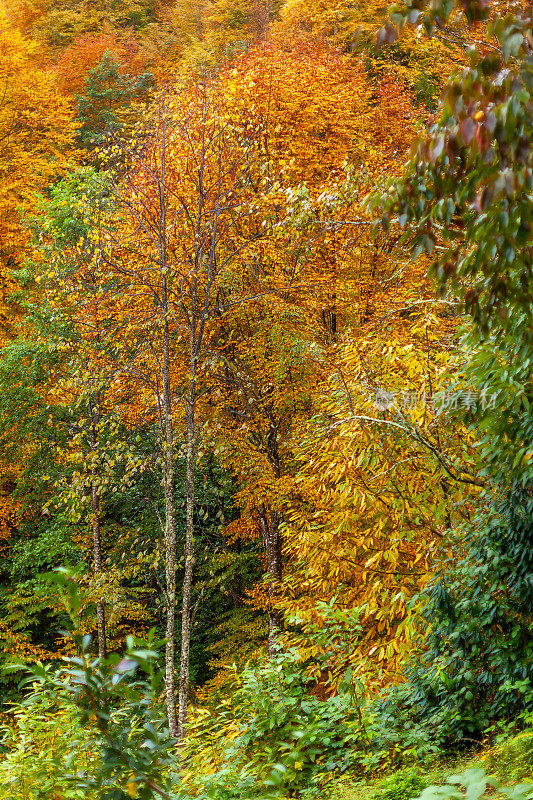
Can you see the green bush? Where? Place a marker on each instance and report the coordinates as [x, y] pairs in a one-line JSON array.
[[90, 730], [514, 757], [402, 785], [44, 742], [273, 738], [472, 785]]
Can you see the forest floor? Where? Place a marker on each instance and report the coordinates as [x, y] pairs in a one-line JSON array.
[[390, 786], [511, 762]]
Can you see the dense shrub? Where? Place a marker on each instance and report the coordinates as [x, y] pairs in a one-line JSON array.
[[401, 785], [472, 784], [41, 745], [273, 737], [513, 757]]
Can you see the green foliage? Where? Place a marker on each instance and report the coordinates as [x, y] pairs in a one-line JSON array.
[[499, 370], [481, 635], [107, 94], [473, 784], [273, 738], [395, 738], [49, 547], [468, 186], [118, 713], [40, 744], [401, 785], [513, 758]]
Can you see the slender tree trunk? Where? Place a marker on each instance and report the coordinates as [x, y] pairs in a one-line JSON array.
[[186, 622], [168, 452], [170, 536], [97, 564], [272, 537], [97, 539], [200, 20]]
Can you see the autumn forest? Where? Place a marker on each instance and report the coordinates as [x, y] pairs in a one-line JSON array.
[[266, 386]]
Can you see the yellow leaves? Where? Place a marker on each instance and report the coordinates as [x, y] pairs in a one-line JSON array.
[[372, 494], [37, 130], [39, 738], [30, 148]]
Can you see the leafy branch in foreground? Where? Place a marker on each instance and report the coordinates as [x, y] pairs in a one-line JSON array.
[[132, 751], [467, 192], [472, 784]]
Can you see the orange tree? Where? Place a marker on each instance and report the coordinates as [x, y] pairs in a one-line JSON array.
[[323, 143], [347, 297], [266, 350], [384, 472], [182, 227], [340, 308], [423, 64], [217, 328], [37, 131]]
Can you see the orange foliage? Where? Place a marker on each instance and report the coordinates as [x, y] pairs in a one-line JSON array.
[[290, 333], [327, 135], [321, 124], [78, 58], [19, 646], [10, 513], [378, 486], [37, 130]]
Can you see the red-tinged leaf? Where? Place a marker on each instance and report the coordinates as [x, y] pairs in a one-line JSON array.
[[468, 129], [437, 148], [126, 665], [490, 121]]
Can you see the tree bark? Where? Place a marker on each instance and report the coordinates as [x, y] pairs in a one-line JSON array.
[[170, 539], [169, 450], [97, 565], [272, 538], [186, 622], [185, 283], [95, 524]]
